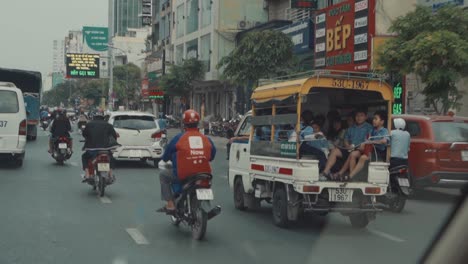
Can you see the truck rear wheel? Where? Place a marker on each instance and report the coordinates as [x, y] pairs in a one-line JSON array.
[[280, 207], [239, 192], [359, 221]]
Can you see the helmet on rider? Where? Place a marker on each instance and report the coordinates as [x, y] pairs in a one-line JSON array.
[[399, 123], [98, 115], [191, 118]]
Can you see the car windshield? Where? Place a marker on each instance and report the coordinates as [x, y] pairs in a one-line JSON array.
[[135, 122], [8, 102], [450, 131]]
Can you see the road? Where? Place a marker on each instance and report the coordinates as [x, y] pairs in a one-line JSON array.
[[48, 216]]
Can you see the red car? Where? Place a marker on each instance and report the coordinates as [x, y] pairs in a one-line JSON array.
[[438, 151]]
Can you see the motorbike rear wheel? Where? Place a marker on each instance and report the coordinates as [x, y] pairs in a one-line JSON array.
[[200, 220], [398, 204], [101, 185]]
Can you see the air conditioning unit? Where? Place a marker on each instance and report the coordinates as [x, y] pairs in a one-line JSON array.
[[242, 24]]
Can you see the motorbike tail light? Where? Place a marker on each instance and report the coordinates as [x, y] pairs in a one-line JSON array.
[[102, 159], [372, 190], [204, 183], [23, 128], [403, 171]]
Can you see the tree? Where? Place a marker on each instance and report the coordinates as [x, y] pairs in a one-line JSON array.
[[260, 54], [434, 46], [180, 79], [127, 82]]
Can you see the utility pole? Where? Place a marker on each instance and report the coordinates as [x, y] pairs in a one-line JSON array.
[[110, 62], [164, 73]]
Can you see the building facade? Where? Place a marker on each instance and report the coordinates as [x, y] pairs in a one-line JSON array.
[[127, 14]]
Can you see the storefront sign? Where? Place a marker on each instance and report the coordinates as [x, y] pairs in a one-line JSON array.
[[398, 96], [301, 35], [349, 27]]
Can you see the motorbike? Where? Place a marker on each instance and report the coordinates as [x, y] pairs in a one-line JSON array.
[[398, 189], [193, 203], [44, 124], [62, 149], [99, 169], [81, 126]]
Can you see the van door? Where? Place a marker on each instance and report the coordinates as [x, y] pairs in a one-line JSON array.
[[239, 155], [12, 113]]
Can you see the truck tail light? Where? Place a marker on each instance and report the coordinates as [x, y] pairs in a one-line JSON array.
[[23, 128]]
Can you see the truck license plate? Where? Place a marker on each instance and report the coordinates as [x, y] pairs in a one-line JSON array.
[[62, 145], [204, 194], [340, 195], [103, 167]]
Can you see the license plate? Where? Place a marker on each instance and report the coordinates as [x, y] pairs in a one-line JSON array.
[[83, 127], [404, 182], [340, 195], [103, 167], [63, 145], [464, 155], [204, 194], [135, 153]]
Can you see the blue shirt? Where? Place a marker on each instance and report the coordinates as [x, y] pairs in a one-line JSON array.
[[400, 142], [355, 135], [378, 135]]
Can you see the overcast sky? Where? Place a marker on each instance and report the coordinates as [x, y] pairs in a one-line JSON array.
[[29, 27]]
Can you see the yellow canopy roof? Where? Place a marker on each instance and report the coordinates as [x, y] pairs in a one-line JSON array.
[[282, 90]]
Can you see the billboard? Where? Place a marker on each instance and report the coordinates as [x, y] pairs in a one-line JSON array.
[[96, 38], [301, 34], [343, 34], [82, 65]]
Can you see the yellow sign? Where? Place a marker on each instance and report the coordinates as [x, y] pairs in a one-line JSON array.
[[377, 43]]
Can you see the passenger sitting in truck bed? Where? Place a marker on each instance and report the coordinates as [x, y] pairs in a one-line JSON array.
[[354, 136], [307, 148], [378, 139]]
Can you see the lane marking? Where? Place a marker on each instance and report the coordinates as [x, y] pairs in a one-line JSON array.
[[105, 200], [385, 235], [137, 236], [74, 164]]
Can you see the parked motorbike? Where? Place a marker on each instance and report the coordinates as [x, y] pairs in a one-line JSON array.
[[193, 203], [99, 168], [398, 189], [62, 149]]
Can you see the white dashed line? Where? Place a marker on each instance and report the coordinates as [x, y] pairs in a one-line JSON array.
[[137, 236], [105, 200], [385, 235]]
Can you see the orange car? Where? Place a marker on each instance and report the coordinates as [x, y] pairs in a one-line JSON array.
[[438, 151]]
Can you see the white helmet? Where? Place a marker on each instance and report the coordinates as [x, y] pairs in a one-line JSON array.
[[399, 123]]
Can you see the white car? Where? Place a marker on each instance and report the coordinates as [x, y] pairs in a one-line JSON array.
[[140, 136], [13, 124]]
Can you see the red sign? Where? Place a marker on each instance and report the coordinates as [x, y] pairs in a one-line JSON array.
[[343, 36], [144, 88]]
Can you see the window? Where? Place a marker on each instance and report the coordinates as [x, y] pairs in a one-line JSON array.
[[179, 56], [413, 128], [450, 131], [8, 102], [205, 50], [245, 128], [135, 122], [192, 16], [180, 21], [192, 49], [205, 13]]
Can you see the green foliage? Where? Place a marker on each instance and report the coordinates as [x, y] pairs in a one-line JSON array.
[[260, 54], [179, 80], [127, 81], [434, 46]]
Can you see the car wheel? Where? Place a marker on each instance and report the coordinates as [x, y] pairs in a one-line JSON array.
[[239, 192], [18, 163], [359, 220], [280, 207]]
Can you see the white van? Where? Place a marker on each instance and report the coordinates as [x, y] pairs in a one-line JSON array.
[[13, 124]]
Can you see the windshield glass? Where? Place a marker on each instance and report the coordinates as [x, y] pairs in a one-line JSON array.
[[450, 131], [8, 102], [135, 122]]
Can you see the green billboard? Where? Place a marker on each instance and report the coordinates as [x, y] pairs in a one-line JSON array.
[[96, 38]]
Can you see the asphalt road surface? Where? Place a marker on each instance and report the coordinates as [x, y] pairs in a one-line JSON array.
[[49, 216]]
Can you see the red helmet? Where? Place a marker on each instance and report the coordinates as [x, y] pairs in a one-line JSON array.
[[191, 117]]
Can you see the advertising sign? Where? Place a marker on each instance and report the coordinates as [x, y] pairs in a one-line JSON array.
[[82, 65], [145, 88], [304, 4], [96, 38], [343, 36], [146, 12], [301, 34]]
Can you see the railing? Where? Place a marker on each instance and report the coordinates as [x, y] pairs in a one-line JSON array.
[[324, 73], [297, 14]]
